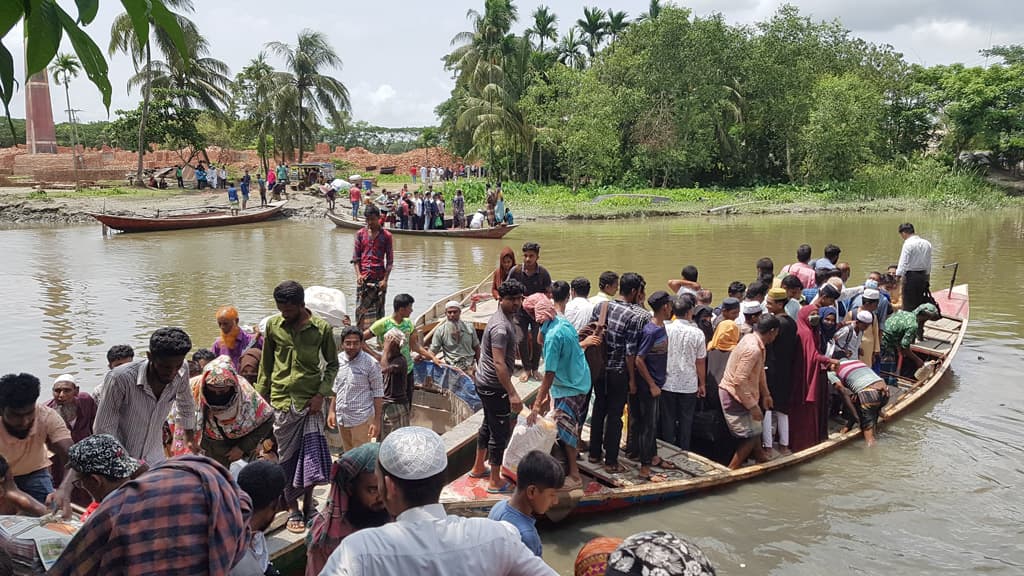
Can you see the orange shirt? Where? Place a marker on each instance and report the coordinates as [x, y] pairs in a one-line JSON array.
[[27, 455], [744, 377]]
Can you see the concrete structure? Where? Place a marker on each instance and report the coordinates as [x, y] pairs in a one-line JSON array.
[[40, 133]]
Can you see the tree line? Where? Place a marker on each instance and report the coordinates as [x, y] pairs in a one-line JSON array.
[[672, 98]]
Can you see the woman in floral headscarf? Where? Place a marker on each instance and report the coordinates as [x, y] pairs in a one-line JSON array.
[[234, 418]]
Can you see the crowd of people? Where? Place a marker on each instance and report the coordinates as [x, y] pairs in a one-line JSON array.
[[207, 451], [425, 209]]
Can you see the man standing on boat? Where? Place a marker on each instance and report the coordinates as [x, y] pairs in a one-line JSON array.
[[625, 325], [914, 267], [373, 257], [743, 390], [292, 379], [566, 379], [494, 386], [535, 279]]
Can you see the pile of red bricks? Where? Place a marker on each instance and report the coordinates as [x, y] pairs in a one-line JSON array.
[[115, 164]]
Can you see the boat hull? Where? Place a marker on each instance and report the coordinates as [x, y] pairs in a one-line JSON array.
[[186, 221], [468, 497], [492, 233]]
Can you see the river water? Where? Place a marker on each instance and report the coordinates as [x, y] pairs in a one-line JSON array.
[[940, 494]]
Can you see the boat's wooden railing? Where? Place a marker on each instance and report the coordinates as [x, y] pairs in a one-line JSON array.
[[435, 312]]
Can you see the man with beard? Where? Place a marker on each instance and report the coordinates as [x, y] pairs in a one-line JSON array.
[[28, 431], [233, 341], [423, 539], [355, 504], [78, 410]]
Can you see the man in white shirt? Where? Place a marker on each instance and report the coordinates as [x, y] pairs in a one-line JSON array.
[[914, 267], [684, 381], [608, 287], [578, 309], [423, 539]]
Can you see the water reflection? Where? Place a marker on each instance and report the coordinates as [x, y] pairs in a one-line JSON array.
[[939, 495]]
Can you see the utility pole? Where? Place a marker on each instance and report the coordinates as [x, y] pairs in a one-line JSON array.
[[73, 117]]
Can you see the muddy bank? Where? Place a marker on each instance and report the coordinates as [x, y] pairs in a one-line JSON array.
[[26, 206]]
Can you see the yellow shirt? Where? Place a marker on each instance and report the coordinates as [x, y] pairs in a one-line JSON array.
[[26, 455]]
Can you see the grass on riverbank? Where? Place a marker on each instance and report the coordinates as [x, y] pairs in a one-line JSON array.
[[922, 185], [116, 192]]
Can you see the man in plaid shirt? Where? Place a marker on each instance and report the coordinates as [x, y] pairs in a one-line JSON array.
[[625, 324]]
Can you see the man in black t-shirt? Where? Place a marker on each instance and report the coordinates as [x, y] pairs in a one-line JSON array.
[[534, 278]]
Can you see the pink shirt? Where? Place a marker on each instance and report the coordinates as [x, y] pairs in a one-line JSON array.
[[802, 271]]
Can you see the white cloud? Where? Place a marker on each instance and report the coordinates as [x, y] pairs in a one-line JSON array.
[[392, 50]]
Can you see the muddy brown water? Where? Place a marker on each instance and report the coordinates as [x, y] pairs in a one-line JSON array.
[[940, 494]]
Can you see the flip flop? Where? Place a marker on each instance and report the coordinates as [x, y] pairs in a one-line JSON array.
[[485, 474], [665, 464], [617, 469], [593, 460], [505, 489], [296, 523]]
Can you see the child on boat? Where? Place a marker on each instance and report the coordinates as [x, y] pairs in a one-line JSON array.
[[540, 477]]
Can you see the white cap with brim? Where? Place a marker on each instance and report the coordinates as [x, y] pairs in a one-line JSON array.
[[413, 453], [865, 317], [65, 378], [452, 304]]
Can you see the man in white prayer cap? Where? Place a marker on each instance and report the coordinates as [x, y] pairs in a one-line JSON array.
[[456, 340], [423, 539], [848, 338]]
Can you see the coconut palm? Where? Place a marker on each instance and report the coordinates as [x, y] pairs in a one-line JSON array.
[[652, 11], [545, 26], [570, 50], [123, 38], [202, 83], [259, 82], [315, 91], [65, 67], [594, 28], [617, 24]]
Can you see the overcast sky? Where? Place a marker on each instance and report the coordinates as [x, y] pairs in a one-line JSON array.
[[392, 49]]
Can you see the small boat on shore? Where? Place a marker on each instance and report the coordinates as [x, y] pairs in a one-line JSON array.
[[193, 219], [604, 492], [345, 221]]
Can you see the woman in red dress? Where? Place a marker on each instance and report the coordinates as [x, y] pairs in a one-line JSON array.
[[808, 416]]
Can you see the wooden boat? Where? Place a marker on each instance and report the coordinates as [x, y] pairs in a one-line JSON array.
[[604, 492], [437, 404], [217, 217], [344, 221], [387, 170]]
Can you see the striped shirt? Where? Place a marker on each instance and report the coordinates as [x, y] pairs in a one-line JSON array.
[[131, 413], [185, 516], [358, 383]]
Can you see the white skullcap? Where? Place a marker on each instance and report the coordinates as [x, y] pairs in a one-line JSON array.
[[871, 294], [751, 307], [865, 317], [413, 453], [65, 378], [452, 304]]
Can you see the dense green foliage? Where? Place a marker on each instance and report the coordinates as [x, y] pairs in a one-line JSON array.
[[674, 99]]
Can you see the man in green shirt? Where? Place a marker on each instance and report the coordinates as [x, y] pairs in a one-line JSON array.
[[901, 331], [398, 395], [292, 379]]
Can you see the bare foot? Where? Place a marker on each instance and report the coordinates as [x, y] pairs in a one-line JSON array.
[[572, 483]]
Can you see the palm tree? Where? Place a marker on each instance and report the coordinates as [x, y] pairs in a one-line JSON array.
[[65, 67], [617, 24], [652, 11], [259, 83], [123, 38], [570, 50], [594, 28], [545, 26], [321, 93]]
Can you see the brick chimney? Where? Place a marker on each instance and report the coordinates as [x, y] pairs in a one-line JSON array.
[[40, 133]]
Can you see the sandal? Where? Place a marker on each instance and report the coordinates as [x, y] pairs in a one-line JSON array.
[[296, 523], [654, 478], [485, 474], [616, 468], [505, 489], [594, 460], [665, 464]]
